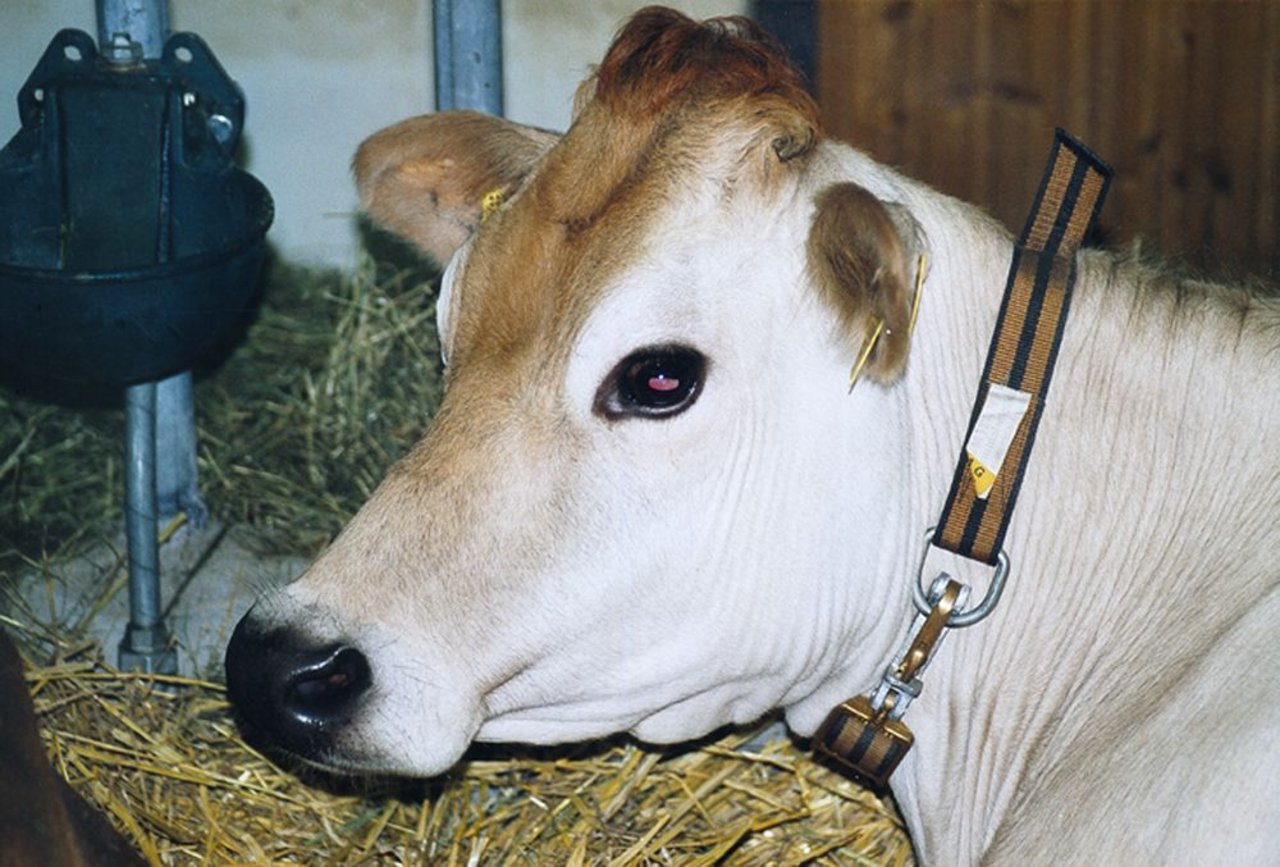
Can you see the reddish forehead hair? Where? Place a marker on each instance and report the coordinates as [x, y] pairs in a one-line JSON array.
[[661, 57], [674, 96], [675, 105]]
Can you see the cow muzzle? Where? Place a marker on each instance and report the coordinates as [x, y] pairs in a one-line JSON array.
[[290, 694]]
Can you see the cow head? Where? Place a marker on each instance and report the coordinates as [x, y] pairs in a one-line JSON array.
[[647, 499]]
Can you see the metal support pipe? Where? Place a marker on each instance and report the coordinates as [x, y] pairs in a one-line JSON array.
[[145, 23], [130, 30], [146, 645], [140, 501], [468, 54], [177, 481]]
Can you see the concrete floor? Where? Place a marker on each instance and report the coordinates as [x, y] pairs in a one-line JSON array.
[[209, 578]]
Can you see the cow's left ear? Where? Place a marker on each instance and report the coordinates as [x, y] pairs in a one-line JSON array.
[[426, 179], [863, 256]]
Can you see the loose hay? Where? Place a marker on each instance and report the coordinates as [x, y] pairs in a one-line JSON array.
[[335, 379], [171, 771], [338, 376]]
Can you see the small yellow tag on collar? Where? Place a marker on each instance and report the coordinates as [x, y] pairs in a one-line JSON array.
[[491, 201]]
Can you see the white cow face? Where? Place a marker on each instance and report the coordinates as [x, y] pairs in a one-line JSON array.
[[622, 515]]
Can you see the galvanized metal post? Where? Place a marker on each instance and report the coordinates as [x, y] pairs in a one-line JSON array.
[[177, 478], [468, 54], [146, 645], [145, 23], [129, 30]]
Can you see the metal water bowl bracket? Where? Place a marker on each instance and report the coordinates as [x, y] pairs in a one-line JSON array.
[[130, 242], [130, 245]]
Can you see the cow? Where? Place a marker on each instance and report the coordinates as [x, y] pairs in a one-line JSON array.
[[43, 821], [650, 501]]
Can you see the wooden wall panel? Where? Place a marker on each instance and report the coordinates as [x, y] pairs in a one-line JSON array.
[[1181, 96]]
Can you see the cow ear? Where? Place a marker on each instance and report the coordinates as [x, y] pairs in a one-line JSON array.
[[426, 178], [864, 255]]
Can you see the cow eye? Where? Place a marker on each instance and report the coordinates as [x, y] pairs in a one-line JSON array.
[[653, 383]]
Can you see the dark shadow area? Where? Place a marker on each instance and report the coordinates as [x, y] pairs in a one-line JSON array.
[[794, 23], [413, 790], [397, 261]]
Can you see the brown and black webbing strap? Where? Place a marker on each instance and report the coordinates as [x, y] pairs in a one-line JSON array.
[[866, 734], [1023, 349]]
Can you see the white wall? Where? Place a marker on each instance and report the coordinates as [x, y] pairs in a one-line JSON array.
[[320, 75]]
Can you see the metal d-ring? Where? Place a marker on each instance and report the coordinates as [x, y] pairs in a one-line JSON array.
[[967, 616]]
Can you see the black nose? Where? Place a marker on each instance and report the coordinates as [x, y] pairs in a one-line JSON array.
[[290, 694]]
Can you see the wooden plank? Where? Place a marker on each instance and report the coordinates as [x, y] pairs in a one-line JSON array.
[[1266, 228], [855, 46], [1182, 96], [1233, 158], [1014, 147], [957, 54]]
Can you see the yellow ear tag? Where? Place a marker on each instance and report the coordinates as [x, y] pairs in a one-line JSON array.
[[491, 202], [875, 327], [921, 262]]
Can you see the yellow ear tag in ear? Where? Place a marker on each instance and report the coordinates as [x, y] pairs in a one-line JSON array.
[[875, 327], [491, 202], [921, 262]]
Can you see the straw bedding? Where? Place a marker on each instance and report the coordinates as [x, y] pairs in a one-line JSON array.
[[337, 377], [172, 773]]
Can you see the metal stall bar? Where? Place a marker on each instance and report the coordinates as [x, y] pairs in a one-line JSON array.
[[126, 23], [177, 480], [146, 645], [130, 30], [468, 54]]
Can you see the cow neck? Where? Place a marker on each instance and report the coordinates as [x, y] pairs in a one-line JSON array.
[[866, 734]]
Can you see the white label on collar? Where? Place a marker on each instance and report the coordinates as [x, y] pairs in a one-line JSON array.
[[988, 445]]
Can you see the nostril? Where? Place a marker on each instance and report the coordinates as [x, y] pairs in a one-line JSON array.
[[324, 686], [290, 694]]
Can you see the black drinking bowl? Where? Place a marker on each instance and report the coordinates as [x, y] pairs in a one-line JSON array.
[[140, 324], [130, 242]]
